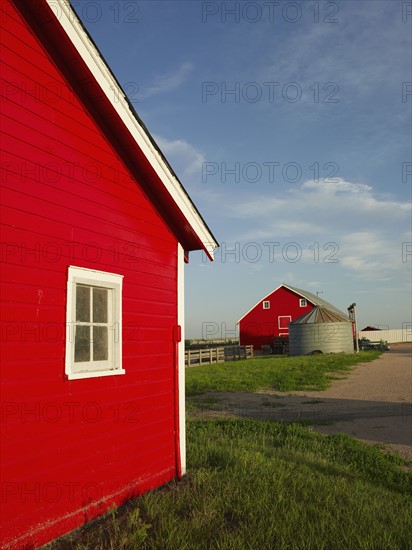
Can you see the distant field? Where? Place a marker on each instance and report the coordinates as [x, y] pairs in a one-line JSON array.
[[266, 485], [313, 372]]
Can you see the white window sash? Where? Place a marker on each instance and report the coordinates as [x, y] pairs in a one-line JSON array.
[[112, 282]]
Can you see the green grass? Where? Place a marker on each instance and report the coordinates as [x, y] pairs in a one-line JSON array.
[[267, 485], [255, 484], [274, 373]]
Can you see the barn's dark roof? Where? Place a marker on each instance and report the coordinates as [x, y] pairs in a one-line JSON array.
[[315, 300], [312, 298]]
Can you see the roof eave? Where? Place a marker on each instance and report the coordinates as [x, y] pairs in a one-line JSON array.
[[296, 291], [258, 302], [62, 19]]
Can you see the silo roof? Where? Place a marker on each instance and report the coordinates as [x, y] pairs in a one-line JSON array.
[[321, 314]]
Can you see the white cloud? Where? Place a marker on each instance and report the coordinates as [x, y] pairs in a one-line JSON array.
[[186, 160], [349, 53], [320, 207], [337, 185], [371, 254], [168, 82], [368, 228]]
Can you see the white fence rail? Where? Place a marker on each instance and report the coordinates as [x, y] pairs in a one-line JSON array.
[[209, 356], [391, 336]]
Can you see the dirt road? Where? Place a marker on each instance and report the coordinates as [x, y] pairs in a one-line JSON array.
[[374, 403]]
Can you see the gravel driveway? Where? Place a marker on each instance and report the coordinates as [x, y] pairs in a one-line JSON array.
[[374, 403]]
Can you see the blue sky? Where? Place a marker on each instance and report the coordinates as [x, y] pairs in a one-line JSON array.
[[289, 124]]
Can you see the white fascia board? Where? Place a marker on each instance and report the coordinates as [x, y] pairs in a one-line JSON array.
[[258, 302], [103, 76]]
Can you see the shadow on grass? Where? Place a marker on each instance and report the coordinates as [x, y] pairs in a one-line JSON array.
[[386, 423]]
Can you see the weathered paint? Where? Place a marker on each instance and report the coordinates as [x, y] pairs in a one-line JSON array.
[[72, 196]]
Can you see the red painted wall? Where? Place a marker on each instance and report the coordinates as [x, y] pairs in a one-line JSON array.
[[260, 326], [73, 448]]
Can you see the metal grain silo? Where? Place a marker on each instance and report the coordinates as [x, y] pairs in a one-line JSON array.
[[320, 330]]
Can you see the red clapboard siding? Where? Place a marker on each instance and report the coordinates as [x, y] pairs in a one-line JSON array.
[[259, 326], [69, 200]]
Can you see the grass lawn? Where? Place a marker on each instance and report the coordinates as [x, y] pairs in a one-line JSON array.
[[267, 485], [275, 373], [257, 484]]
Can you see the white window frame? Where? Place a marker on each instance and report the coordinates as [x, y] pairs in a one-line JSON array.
[[280, 322], [266, 304], [303, 302], [113, 282]]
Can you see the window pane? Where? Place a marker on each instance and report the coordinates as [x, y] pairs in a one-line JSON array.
[[83, 303], [100, 343], [82, 344], [100, 305]]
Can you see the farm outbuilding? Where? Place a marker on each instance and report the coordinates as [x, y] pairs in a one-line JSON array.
[[270, 317], [321, 330], [96, 228]]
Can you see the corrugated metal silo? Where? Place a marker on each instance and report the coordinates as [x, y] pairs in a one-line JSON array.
[[320, 330]]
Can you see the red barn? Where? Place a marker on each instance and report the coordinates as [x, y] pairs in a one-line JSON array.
[[96, 228], [271, 316]]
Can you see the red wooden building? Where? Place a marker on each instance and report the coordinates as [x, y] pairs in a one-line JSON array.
[[96, 228], [270, 317]]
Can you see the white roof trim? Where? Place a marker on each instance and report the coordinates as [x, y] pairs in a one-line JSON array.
[[110, 87], [295, 291], [261, 300], [270, 293]]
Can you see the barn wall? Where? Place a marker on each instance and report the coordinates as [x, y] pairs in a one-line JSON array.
[[75, 447], [260, 325]]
